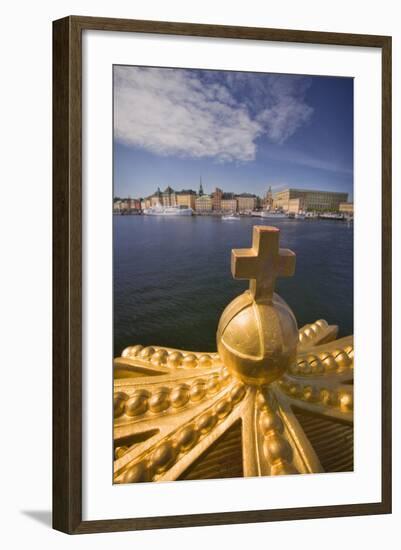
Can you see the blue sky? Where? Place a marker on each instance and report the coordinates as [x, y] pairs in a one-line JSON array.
[[239, 131]]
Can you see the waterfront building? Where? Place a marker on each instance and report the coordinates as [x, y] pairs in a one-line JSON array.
[[155, 199], [134, 204], [246, 202], [186, 198], [217, 195], [117, 206], [229, 205], [314, 200], [126, 205], [161, 198], [203, 203], [148, 202], [168, 197], [295, 206], [268, 200], [346, 208]]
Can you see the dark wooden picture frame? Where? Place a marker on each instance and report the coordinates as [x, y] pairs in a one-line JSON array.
[[67, 274]]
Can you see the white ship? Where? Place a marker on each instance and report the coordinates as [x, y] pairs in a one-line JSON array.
[[168, 211], [331, 216], [311, 216], [272, 214], [230, 218]]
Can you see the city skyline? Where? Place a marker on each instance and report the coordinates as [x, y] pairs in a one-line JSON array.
[[242, 132], [178, 191]]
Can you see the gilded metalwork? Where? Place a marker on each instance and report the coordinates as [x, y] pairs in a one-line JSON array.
[[171, 406], [257, 335]]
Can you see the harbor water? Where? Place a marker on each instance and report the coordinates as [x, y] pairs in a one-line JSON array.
[[172, 277]]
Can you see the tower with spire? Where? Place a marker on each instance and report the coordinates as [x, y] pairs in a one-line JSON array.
[[200, 187], [269, 199]]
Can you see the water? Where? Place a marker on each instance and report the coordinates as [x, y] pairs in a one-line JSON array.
[[172, 276]]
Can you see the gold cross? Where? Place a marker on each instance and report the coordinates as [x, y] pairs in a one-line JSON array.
[[263, 263]]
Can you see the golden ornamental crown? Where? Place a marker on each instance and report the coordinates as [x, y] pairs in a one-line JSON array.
[[273, 400]]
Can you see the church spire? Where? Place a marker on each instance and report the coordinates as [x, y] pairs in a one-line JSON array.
[[200, 187]]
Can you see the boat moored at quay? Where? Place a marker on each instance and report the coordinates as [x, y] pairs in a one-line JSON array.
[[332, 216], [273, 215], [230, 217], [173, 211], [168, 211]]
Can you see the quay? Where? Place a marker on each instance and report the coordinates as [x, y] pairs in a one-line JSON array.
[[299, 204]]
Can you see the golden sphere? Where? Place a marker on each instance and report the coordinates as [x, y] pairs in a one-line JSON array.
[[206, 422], [163, 457], [346, 401], [175, 359], [137, 404], [119, 403], [146, 353], [270, 422], [197, 391], [257, 340], [159, 401], [343, 360], [205, 360], [159, 357], [223, 408], [213, 384], [330, 363], [179, 396], [186, 438], [190, 361], [277, 448], [132, 351], [137, 474], [310, 393]]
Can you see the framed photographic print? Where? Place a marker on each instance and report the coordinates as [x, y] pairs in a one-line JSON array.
[[222, 274]]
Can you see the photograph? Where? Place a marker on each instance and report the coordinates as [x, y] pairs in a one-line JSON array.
[[233, 274], [206, 232]]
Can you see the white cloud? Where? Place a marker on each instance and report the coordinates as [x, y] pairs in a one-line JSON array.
[[176, 112], [284, 118]]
